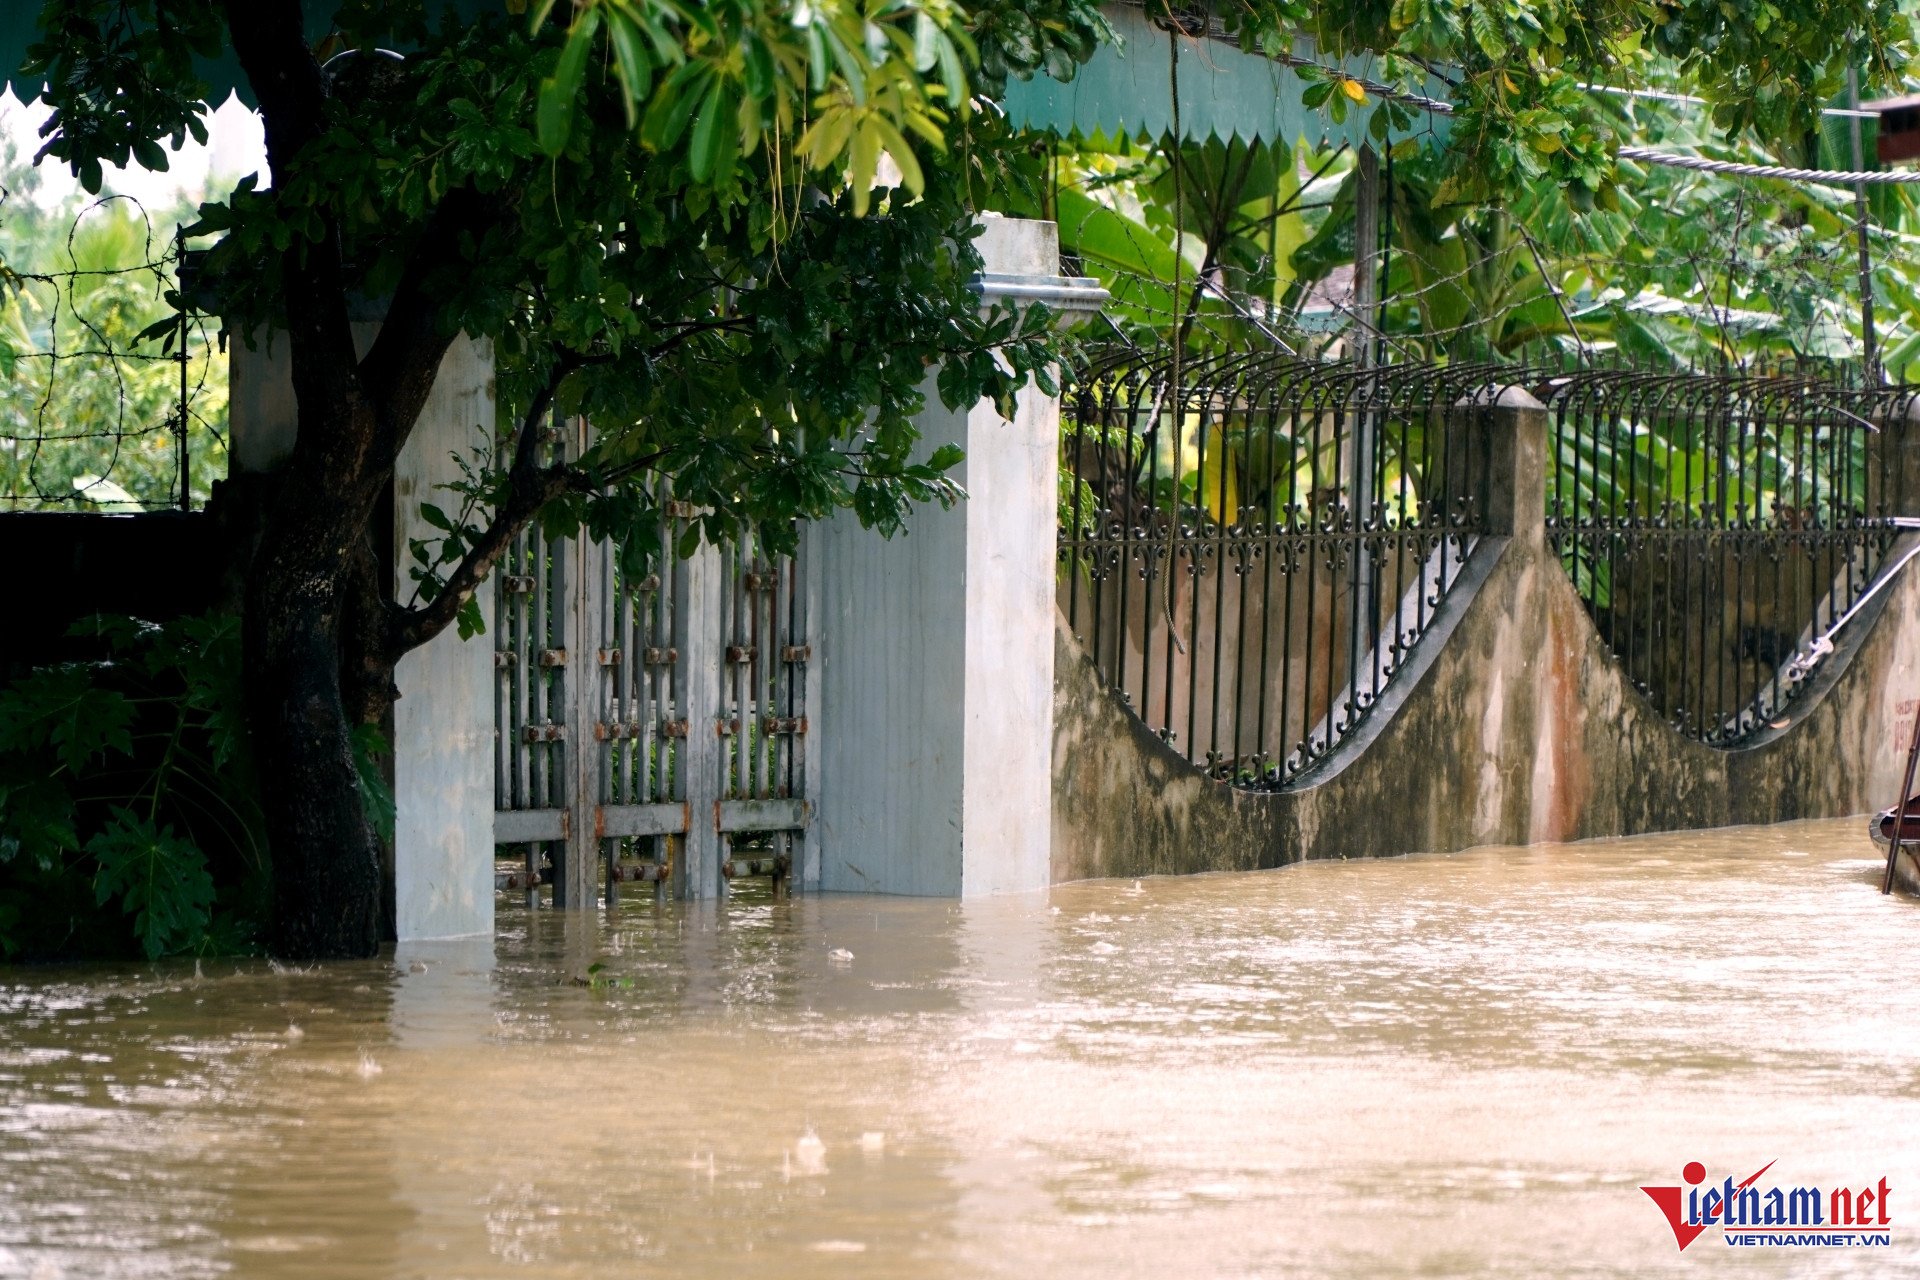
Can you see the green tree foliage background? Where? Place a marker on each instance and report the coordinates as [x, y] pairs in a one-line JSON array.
[[89, 411]]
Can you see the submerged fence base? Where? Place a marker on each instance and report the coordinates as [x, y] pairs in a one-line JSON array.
[[1512, 723]]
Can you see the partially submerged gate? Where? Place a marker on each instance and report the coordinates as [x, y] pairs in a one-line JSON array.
[[651, 730]]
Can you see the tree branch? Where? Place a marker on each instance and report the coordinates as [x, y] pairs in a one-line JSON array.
[[529, 488], [399, 369], [411, 628], [272, 48], [693, 327]]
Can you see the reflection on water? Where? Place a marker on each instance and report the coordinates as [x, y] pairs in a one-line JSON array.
[[1423, 1067]]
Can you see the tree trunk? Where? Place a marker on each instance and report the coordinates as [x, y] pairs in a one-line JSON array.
[[326, 854]]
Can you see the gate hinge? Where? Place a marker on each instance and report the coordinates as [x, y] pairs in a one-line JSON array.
[[656, 657], [796, 653], [673, 728], [785, 724], [778, 866], [544, 732], [742, 653], [553, 657]]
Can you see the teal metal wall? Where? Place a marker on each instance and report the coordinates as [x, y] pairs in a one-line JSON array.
[[1224, 93]]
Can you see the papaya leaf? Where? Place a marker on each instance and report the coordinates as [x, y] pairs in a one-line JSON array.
[[158, 878]]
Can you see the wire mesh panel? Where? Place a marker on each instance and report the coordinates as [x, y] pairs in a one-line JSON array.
[[1715, 525], [1250, 546]]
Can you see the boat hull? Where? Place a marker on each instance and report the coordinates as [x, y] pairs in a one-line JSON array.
[[1906, 866]]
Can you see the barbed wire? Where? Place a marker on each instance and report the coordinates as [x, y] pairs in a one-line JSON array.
[[1739, 169], [1739, 282], [96, 411]]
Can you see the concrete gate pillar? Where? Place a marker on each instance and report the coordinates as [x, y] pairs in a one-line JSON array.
[[1893, 462], [935, 647], [1499, 464], [443, 723]]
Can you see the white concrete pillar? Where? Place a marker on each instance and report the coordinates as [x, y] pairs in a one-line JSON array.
[[935, 648], [443, 723]]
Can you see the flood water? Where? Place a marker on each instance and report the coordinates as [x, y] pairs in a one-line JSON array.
[[1436, 1066]]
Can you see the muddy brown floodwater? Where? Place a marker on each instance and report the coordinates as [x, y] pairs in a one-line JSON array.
[[1433, 1066]]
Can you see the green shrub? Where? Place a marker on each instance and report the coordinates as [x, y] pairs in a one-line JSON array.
[[129, 815]]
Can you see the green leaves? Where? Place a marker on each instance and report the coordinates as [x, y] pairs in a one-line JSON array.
[[370, 750], [61, 708], [126, 79], [158, 878], [852, 81], [560, 91], [122, 781], [36, 818]]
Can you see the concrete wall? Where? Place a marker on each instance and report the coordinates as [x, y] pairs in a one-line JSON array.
[[936, 656], [1511, 724], [443, 723]]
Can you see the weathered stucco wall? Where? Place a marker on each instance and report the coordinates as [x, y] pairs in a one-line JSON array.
[[1512, 724]]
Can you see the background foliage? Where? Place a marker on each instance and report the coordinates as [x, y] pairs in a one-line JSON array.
[[90, 413], [129, 818]]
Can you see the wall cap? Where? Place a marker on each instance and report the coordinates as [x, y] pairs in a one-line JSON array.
[[1507, 397]]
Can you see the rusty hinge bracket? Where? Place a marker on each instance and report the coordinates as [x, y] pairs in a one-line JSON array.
[[657, 657], [553, 657], [779, 866], [796, 653], [784, 724], [517, 584], [504, 658], [677, 510], [673, 728], [543, 733], [742, 653], [649, 583], [641, 872], [611, 657]]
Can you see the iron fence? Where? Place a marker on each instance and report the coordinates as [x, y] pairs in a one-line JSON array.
[[1715, 525], [1251, 545]]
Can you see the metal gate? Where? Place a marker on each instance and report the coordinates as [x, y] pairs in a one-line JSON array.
[[651, 730]]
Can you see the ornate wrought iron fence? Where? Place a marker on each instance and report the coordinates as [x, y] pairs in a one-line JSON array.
[[1251, 545], [1715, 524]]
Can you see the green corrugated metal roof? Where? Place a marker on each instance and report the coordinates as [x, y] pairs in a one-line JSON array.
[[1224, 93]]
